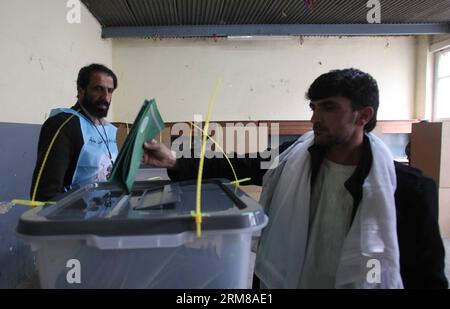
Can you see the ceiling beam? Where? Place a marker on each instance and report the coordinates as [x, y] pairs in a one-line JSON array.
[[272, 29]]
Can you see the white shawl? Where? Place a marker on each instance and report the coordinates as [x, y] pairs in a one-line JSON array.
[[370, 254]]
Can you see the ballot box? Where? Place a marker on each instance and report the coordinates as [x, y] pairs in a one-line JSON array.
[[100, 237]]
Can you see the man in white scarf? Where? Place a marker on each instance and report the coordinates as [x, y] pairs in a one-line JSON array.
[[330, 201], [331, 198]]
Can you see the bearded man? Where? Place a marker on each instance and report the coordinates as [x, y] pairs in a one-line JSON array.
[[84, 144]]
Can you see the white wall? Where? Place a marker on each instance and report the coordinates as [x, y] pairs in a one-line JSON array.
[[40, 56], [260, 79]]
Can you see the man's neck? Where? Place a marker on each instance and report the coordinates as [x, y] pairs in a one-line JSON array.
[[347, 153]]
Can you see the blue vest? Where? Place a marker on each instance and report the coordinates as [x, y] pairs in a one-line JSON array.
[[94, 163]]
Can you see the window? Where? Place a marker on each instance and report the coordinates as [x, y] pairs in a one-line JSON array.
[[441, 104]]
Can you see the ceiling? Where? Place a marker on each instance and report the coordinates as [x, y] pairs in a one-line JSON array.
[[187, 18]]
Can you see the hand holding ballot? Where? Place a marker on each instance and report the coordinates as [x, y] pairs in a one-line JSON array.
[[147, 125], [158, 155]]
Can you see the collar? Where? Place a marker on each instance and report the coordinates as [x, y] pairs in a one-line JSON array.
[[355, 182]]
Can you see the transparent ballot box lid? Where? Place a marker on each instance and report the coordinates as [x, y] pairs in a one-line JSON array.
[[152, 208]]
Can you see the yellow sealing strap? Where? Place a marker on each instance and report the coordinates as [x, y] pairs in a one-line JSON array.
[[205, 214], [31, 203], [198, 216], [198, 221], [237, 182], [221, 149], [154, 178]]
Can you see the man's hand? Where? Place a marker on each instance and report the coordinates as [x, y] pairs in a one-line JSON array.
[[158, 155]]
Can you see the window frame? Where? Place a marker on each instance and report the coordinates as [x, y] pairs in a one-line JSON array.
[[436, 57]]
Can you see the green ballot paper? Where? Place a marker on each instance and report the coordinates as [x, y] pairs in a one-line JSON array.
[[147, 125]]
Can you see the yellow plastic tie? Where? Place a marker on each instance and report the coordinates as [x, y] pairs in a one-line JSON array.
[[221, 149], [31, 203], [154, 178], [198, 220], [204, 214], [198, 216], [198, 225], [237, 182]]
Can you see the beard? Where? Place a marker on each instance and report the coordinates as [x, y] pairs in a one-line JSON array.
[[324, 140], [98, 109], [323, 137]]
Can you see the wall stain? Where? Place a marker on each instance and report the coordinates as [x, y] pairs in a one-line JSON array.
[[42, 66]]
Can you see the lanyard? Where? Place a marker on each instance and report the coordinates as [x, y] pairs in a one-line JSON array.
[[104, 139]]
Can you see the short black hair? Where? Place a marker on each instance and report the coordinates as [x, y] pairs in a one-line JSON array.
[[357, 86], [84, 75]]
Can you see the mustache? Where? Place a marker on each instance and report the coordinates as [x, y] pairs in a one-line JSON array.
[[102, 102]]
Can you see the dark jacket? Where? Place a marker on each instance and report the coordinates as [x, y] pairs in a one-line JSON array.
[[62, 160], [422, 252]]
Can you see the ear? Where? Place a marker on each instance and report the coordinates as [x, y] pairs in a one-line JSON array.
[[81, 92], [365, 115]]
